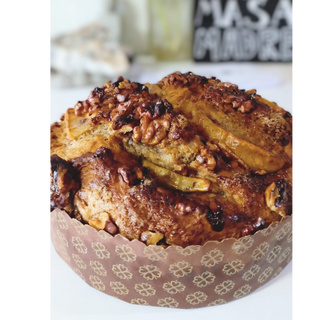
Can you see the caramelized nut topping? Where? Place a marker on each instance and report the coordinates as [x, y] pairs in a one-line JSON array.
[[111, 227], [180, 162]]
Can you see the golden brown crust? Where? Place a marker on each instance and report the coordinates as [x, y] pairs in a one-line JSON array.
[[112, 192], [241, 121], [57, 137], [181, 162]]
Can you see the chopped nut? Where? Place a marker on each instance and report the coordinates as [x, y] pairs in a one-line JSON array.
[[252, 91], [111, 227], [103, 222], [200, 159], [126, 175], [150, 132], [247, 231], [208, 158], [181, 207], [246, 106], [137, 134], [121, 97], [156, 131], [181, 169], [107, 84], [211, 162], [144, 124]]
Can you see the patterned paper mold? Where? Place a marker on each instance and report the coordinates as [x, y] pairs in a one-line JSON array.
[[175, 277]]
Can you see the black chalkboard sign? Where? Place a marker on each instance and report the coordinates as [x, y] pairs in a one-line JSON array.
[[242, 30]]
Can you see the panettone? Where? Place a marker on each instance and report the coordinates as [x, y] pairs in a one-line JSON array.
[[180, 162]]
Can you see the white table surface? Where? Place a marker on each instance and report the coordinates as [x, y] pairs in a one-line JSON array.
[[73, 299]]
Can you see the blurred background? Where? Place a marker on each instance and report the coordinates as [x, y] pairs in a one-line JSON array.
[[246, 42]]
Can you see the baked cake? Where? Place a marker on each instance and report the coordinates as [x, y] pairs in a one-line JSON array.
[[180, 162]]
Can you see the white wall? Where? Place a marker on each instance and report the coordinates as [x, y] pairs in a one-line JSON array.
[[69, 15], [134, 26]]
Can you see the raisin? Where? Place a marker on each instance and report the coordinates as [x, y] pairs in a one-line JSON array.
[[285, 195], [159, 109], [98, 92], [122, 121], [168, 106], [216, 219], [140, 87]]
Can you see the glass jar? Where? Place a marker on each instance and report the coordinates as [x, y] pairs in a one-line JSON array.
[[171, 29]]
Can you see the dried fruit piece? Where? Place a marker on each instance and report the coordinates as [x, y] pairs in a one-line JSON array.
[[258, 159], [175, 180], [151, 237], [75, 125], [271, 194]]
